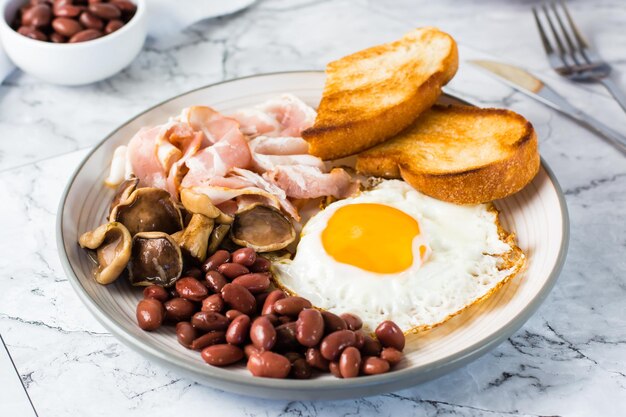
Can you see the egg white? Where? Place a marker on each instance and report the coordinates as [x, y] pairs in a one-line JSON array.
[[464, 263]]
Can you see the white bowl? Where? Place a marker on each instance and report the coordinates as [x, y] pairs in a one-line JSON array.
[[76, 63]]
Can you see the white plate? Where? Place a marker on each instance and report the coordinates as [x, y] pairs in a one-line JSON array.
[[537, 215]]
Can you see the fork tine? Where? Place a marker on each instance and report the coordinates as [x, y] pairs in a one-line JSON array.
[[557, 38], [582, 43], [572, 48], [544, 39]]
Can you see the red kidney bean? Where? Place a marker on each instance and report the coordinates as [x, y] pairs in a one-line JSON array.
[[90, 21], [244, 256], [333, 367], [371, 346], [283, 319], [260, 300], [250, 350], [222, 355], [333, 322], [66, 26], [208, 339], [215, 281], [286, 340], [213, 303], [239, 298], [391, 355], [185, 333], [336, 342], [261, 264], [232, 270], [113, 25], [254, 282], [269, 365], [150, 314], [372, 365], [179, 309], [273, 318], [360, 339], [390, 335], [350, 362], [106, 11], [191, 289], [37, 16], [124, 5], [208, 321], [156, 291], [194, 273], [32, 33], [272, 297], [85, 35], [314, 358], [233, 314], [293, 356], [214, 261], [262, 333], [300, 369], [291, 306], [309, 327], [66, 10], [238, 330], [56, 38], [353, 322]]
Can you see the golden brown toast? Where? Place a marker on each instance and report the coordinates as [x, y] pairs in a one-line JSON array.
[[464, 155], [375, 93]]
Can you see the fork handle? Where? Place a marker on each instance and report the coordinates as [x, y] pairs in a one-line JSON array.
[[603, 130], [615, 91]]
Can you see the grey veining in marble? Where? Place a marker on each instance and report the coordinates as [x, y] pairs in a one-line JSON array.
[[568, 360]]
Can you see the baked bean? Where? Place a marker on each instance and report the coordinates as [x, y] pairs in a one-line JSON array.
[[350, 362], [333, 367], [255, 282], [372, 365], [85, 35], [90, 21], [232, 270], [291, 306], [371, 346], [233, 314], [208, 321], [333, 322], [66, 10], [37, 16], [250, 350], [286, 340], [239, 298], [272, 297], [263, 333], [179, 309], [310, 327], [214, 303], [314, 358], [113, 25], [185, 333], [156, 291], [222, 355], [390, 335], [208, 339], [194, 272], [219, 257], [150, 314], [191, 289], [238, 330], [269, 365], [215, 281], [32, 33], [244, 256], [56, 38], [106, 11], [391, 355], [300, 369], [261, 264], [66, 26], [336, 342], [353, 322]]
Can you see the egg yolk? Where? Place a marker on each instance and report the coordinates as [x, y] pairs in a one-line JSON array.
[[373, 237]]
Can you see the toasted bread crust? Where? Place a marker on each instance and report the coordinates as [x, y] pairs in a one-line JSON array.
[[507, 172], [341, 131]]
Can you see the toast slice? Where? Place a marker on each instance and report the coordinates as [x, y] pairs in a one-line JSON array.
[[374, 94], [464, 155]]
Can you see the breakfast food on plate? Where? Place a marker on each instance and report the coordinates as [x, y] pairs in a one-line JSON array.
[[460, 154], [209, 208], [375, 93]]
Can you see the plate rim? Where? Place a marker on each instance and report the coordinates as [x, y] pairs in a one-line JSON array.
[[289, 388]]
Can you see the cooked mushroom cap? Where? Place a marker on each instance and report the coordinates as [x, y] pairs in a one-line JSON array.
[[194, 240], [262, 228], [147, 210], [112, 243], [156, 259], [201, 204], [219, 233], [124, 191]]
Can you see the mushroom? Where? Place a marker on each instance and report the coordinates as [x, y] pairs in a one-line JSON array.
[[219, 233], [262, 228], [124, 191], [148, 209], [156, 259], [201, 204], [195, 238], [112, 243]]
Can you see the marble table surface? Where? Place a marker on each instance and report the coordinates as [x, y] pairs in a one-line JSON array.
[[568, 360]]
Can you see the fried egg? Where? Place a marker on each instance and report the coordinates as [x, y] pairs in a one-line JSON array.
[[393, 253]]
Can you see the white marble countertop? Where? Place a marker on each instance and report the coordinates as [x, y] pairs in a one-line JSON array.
[[568, 360]]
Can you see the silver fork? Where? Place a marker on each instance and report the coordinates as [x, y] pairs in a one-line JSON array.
[[573, 58]]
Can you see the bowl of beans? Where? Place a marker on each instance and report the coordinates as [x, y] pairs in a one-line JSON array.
[[73, 42]]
